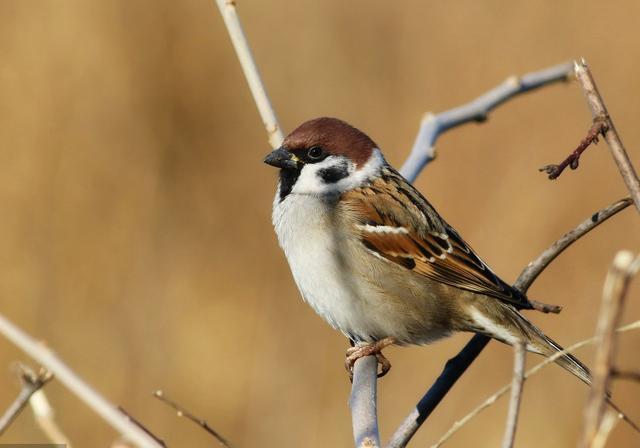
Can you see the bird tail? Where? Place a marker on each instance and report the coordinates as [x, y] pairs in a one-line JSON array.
[[541, 343]]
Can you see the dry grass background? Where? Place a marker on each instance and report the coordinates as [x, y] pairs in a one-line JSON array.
[[135, 235]]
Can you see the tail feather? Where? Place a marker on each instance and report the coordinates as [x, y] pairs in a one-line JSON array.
[[546, 346], [567, 361]]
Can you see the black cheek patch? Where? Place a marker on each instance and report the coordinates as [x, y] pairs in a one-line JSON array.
[[333, 174]]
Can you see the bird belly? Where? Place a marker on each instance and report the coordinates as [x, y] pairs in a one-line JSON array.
[[345, 284]]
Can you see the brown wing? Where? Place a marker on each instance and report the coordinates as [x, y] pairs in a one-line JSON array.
[[397, 223]]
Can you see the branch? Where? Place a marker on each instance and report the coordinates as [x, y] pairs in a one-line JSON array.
[[624, 266], [139, 424], [31, 383], [182, 412], [363, 403], [75, 384], [534, 370], [598, 128], [625, 375], [599, 111], [44, 416], [533, 269], [239, 40], [456, 366], [432, 126], [517, 383], [602, 124]]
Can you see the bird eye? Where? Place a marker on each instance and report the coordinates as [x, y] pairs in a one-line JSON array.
[[315, 152]]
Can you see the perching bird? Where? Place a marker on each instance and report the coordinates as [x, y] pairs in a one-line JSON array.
[[373, 257]]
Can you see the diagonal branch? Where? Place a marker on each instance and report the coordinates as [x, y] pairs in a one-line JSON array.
[[433, 126], [599, 112], [456, 366], [182, 412], [75, 384], [31, 383], [598, 128], [624, 266], [534, 370], [234, 28], [602, 125]]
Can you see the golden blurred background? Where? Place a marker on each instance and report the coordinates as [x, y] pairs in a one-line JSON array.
[[136, 240]]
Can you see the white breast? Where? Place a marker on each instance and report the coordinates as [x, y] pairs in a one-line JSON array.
[[313, 246]]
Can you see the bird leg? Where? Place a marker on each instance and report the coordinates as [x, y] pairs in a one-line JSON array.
[[373, 348]]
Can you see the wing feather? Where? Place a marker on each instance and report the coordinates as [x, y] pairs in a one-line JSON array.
[[397, 223]]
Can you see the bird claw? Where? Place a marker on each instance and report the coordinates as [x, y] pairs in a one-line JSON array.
[[371, 349]]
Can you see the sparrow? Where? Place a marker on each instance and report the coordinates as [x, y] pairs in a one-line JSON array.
[[375, 260]]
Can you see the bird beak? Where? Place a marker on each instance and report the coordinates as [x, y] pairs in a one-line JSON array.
[[281, 158]]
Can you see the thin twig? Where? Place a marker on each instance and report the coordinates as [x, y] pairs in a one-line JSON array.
[[432, 125], [363, 403], [609, 421], [533, 269], [31, 383], [613, 298], [250, 69], [139, 424], [75, 384], [517, 383], [534, 370], [182, 412], [599, 112], [456, 366], [625, 375], [45, 418], [598, 128]]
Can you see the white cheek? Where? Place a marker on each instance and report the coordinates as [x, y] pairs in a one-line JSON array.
[[310, 181]]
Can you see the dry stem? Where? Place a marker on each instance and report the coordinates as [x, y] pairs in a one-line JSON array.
[[31, 383], [599, 112], [75, 384], [239, 40], [615, 289], [517, 383], [182, 412], [599, 127], [534, 370]]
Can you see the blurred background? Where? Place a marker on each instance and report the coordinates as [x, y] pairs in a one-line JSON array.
[[135, 236]]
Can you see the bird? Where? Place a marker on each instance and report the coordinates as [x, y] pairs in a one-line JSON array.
[[371, 255]]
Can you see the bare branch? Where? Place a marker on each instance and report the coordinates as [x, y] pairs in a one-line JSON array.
[[533, 269], [75, 384], [239, 40], [433, 126], [609, 421], [45, 418], [598, 128], [534, 370], [363, 403], [139, 424], [615, 288], [182, 412], [517, 383], [456, 366], [31, 383], [599, 112], [625, 375]]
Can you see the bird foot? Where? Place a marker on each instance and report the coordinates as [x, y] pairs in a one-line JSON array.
[[375, 349]]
